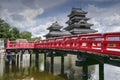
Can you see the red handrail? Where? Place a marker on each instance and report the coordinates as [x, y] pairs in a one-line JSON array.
[[95, 42]]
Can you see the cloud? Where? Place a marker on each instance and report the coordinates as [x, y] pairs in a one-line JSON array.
[[48, 3], [42, 3], [22, 14], [17, 17], [105, 19], [103, 0], [41, 28], [32, 13], [28, 3]]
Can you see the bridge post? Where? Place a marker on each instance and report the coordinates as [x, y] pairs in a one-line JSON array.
[[101, 71], [85, 71], [17, 58], [45, 61], [21, 56], [83, 61], [62, 64], [37, 59], [13, 58], [8, 58], [30, 58], [30, 53], [52, 62]]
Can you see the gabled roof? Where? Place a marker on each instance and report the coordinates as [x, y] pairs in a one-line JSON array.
[[81, 31], [57, 33], [54, 26], [78, 25], [79, 18], [77, 11]]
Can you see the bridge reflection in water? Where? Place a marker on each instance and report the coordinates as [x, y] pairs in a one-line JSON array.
[[27, 69], [30, 70]]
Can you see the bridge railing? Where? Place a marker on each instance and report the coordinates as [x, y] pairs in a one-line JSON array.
[[108, 43], [90, 42], [15, 44], [111, 43]]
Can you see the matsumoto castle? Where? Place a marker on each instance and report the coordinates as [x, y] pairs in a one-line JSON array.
[[77, 24]]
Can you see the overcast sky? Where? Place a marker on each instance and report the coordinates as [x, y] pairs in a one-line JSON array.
[[36, 15]]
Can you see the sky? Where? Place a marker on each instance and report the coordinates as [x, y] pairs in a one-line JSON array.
[[37, 15]]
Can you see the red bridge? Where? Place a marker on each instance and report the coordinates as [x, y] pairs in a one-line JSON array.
[[107, 43], [90, 49]]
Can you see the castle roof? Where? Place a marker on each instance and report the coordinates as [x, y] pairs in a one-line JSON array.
[[54, 26], [78, 11]]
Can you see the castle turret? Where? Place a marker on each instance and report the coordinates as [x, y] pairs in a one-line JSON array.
[[55, 31], [77, 23]]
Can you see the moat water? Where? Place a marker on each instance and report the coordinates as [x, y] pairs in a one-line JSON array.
[[27, 70]]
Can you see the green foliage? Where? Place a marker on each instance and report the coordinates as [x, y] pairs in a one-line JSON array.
[[35, 38], [4, 29], [12, 33], [26, 35]]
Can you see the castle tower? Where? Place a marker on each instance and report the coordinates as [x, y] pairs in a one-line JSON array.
[[55, 31], [77, 23]]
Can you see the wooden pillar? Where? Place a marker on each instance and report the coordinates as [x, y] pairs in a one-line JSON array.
[[13, 57], [21, 56], [85, 71], [101, 71], [83, 61], [10, 59], [52, 62], [45, 61], [62, 64], [17, 58], [30, 58], [37, 59]]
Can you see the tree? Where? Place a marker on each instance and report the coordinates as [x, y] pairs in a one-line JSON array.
[[14, 33], [8, 32], [4, 29], [35, 38], [26, 35]]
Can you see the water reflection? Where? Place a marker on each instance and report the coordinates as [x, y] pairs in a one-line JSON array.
[[27, 70], [1, 66], [110, 73], [71, 72], [24, 71]]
